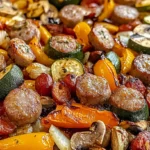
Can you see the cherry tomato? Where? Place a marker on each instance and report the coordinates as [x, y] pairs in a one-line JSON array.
[[43, 84], [6, 127], [61, 93], [125, 27], [136, 84], [88, 2], [70, 81], [2, 109], [69, 31], [2, 26], [141, 142]]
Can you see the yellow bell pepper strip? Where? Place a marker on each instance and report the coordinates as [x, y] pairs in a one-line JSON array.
[[31, 141], [41, 57], [126, 56], [126, 61], [45, 35], [111, 28], [78, 116], [29, 84], [4, 19], [108, 9], [4, 53], [105, 68], [82, 30]]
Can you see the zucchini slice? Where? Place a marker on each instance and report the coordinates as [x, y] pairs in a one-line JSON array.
[[143, 5], [142, 114], [129, 104], [115, 60], [10, 78], [143, 30], [124, 37], [61, 67], [62, 46], [139, 43]]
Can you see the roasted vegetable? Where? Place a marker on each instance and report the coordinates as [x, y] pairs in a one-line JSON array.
[[36, 141], [78, 116], [105, 68]]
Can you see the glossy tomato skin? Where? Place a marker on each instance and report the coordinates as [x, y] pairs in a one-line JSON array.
[[61, 93], [136, 84], [43, 84], [6, 127], [141, 142]]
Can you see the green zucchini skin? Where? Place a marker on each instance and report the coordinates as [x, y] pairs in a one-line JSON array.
[[59, 4], [114, 59], [53, 53], [12, 80], [135, 44], [142, 114]]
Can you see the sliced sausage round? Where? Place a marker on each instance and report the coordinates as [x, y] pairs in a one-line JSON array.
[[2, 62], [20, 52], [23, 106], [126, 2], [123, 14], [127, 99], [26, 31], [100, 38], [141, 68], [92, 90], [70, 15]]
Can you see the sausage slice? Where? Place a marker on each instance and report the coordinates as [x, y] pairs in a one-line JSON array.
[[141, 68], [70, 15], [100, 38], [92, 90], [23, 106], [123, 14], [20, 52]]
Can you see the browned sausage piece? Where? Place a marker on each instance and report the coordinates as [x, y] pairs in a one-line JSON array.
[[70, 15], [126, 2], [23, 106], [141, 68], [20, 52], [100, 38], [26, 31], [92, 90], [124, 14], [2, 62], [127, 99]]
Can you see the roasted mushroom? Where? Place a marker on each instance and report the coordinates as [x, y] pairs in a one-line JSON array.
[[7, 10], [37, 8], [119, 138], [87, 139], [52, 13]]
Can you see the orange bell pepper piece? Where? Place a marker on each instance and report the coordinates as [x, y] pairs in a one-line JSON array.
[[105, 68], [41, 57], [82, 30], [126, 56], [108, 9], [78, 116]]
